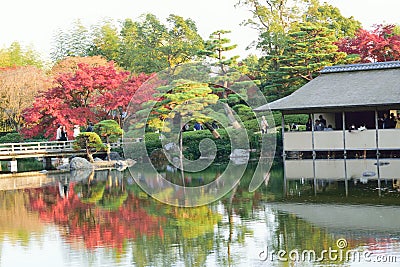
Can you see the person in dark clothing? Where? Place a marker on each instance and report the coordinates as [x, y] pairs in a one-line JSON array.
[[197, 126], [392, 121], [309, 125], [385, 121], [90, 127], [319, 126], [322, 120], [64, 136]]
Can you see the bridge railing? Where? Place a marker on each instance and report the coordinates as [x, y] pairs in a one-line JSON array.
[[35, 147], [40, 147]]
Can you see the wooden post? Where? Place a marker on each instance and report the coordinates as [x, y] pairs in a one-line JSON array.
[[314, 155], [377, 151], [13, 165], [345, 152], [283, 154], [47, 163]]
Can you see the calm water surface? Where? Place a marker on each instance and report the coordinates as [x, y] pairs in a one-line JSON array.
[[105, 219]]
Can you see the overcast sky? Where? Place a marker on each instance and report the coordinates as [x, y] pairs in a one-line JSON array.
[[34, 22]]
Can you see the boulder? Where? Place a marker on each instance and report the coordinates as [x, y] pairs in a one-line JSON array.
[[115, 156], [123, 164], [64, 167], [78, 163], [81, 174], [130, 162]]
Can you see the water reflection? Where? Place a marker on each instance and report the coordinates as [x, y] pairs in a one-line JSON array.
[[106, 219]]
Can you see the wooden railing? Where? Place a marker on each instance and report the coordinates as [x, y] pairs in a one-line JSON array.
[[35, 149], [333, 140]]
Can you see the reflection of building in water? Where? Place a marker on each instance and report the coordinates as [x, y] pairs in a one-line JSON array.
[[341, 218], [396, 184], [63, 185], [363, 95], [363, 171], [341, 168]]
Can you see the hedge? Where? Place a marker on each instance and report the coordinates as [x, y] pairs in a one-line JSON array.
[[192, 139]]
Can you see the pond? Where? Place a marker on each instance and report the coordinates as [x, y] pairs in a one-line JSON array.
[[105, 219]]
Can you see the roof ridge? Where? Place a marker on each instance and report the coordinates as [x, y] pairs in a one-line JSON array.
[[361, 67]]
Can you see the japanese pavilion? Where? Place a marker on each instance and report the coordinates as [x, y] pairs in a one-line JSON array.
[[345, 95]]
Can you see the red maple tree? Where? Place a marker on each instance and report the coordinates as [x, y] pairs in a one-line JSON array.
[[91, 93], [379, 45]]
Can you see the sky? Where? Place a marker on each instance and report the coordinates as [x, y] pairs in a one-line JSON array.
[[34, 22]]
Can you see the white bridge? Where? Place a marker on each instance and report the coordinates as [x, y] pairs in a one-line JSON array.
[[12, 151]]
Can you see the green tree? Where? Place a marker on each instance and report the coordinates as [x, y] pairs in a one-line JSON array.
[[150, 46], [330, 17], [278, 21], [110, 131], [216, 48], [17, 56], [179, 100], [139, 43], [106, 41], [90, 142], [273, 20], [74, 42], [251, 67], [310, 48], [182, 98]]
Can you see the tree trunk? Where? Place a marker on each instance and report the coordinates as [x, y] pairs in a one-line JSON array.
[[183, 200], [90, 156], [228, 110], [212, 130], [108, 151], [88, 153], [181, 156], [231, 118], [230, 219]]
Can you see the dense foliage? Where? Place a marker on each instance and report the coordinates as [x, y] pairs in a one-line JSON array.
[[97, 70], [90, 142], [380, 44], [91, 93], [110, 131]]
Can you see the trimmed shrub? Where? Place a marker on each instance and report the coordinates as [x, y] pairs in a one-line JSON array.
[[245, 112], [11, 138]]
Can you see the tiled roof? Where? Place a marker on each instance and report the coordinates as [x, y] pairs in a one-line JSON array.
[[358, 67], [356, 86]]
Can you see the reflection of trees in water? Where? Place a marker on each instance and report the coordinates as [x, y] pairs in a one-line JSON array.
[[294, 233], [238, 203], [16, 222], [107, 190], [97, 213], [93, 213], [97, 227]]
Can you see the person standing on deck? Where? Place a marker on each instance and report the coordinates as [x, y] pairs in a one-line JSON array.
[[385, 121], [322, 120], [309, 125], [264, 125]]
